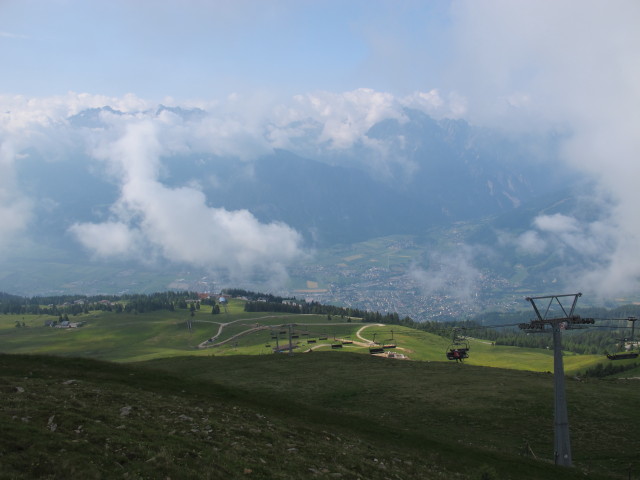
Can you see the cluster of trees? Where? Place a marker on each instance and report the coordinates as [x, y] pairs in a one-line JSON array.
[[292, 305], [12, 304], [271, 307], [252, 296], [160, 301], [77, 304]]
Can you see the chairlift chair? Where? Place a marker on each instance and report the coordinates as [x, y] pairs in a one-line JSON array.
[[622, 356], [457, 353], [630, 354], [458, 348], [389, 342]]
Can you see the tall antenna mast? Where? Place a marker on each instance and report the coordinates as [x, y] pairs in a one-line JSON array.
[[562, 443]]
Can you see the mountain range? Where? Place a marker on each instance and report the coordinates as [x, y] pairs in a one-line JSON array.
[[410, 175]]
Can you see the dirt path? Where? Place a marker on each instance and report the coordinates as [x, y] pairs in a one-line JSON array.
[[209, 342], [367, 326], [315, 347]]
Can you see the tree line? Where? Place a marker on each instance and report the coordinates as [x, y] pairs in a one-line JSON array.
[[604, 339], [78, 304], [300, 306]]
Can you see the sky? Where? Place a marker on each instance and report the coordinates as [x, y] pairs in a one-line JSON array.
[[571, 66], [205, 49]]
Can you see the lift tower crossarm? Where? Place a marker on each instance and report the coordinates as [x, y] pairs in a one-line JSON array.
[[551, 299]]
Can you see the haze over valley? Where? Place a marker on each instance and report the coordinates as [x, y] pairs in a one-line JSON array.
[[469, 168]]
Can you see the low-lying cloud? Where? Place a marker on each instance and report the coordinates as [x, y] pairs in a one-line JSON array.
[[151, 220], [451, 274], [573, 66], [129, 140]]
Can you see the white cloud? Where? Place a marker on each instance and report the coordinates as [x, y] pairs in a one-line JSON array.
[[429, 102], [19, 114], [556, 223], [344, 118], [574, 65], [15, 208], [239, 126], [326, 125], [176, 223], [608, 262], [347, 117], [452, 274], [588, 244], [108, 239], [321, 125], [531, 242]]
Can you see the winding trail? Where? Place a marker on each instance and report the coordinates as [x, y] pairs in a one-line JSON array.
[[364, 342], [369, 342], [367, 326], [209, 343], [361, 342]]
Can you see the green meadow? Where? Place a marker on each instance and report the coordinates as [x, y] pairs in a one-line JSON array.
[[127, 337], [322, 415], [133, 396]]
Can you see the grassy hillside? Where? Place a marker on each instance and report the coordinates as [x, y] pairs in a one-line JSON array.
[[233, 409], [125, 337], [323, 415]]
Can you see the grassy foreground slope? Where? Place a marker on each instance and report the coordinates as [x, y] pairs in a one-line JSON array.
[[235, 410], [473, 411], [323, 415]]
